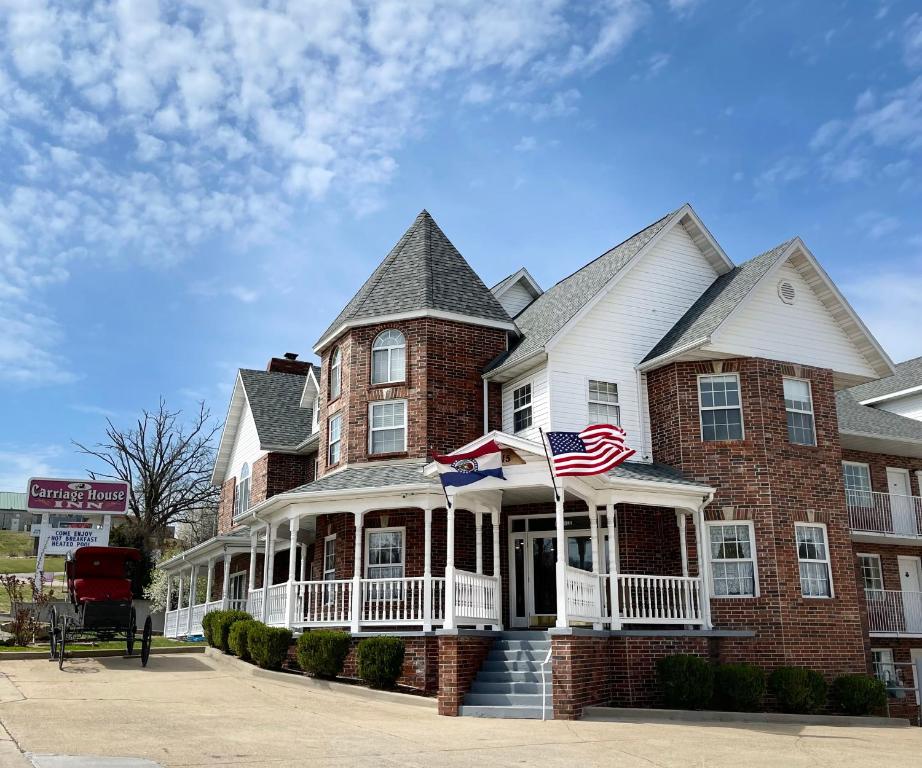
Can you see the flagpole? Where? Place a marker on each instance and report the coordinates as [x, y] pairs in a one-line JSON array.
[[549, 465]]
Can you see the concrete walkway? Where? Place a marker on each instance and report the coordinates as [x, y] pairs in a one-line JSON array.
[[194, 711]]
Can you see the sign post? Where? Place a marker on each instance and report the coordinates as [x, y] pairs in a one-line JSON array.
[[96, 501]]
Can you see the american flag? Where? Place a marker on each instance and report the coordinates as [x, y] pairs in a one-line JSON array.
[[595, 450]]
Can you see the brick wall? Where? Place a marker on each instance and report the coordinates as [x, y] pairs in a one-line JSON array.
[[582, 674], [634, 665], [226, 505], [460, 659], [420, 663], [877, 468], [773, 483]]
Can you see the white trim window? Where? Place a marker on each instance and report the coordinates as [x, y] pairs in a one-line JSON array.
[[857, 479], [384, 559], [242, 491], [798, 403], [388, 357], [387, 431], [719, 404], [813, 560], [883, 666], [329, 567], [871, 572], [521, 408], [336, 373], [603, 403], [334, 439], [733, 559]]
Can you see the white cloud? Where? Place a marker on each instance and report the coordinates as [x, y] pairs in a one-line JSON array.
[[889, 300], [877, 225], [526, 144], [682, 6], [478, 93], [657, 62], [783, 171], [912, 41], [19, 463]]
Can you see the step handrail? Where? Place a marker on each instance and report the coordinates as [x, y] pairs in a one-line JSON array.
[[544, 664]]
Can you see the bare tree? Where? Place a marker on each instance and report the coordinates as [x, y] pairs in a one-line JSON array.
[[167, 463]]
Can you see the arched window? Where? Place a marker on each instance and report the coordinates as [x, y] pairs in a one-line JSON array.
[[388, 357], [242, 497], [336, 374]]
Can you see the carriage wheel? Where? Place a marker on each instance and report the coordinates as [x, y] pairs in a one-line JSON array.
[[132, 631], [146, 639], [52, 630], [62, 643]]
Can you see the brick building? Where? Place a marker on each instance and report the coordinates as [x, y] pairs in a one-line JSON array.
[[742, 529]]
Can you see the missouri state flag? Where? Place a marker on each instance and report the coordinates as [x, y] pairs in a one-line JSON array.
[[465, 468]]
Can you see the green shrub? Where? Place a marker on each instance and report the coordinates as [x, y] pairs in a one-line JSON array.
[[739, 687], [207, 631], [221, 625], [268, 646], [379, 660], [858, 695], [237, 638], [798, 690], [686, 682], [323, 652]]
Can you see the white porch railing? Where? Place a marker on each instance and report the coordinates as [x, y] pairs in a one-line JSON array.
[[893, 612], [874, 512], [320, 603], [659, 599], [171, 623], [240, 604], [584, 595], [277, 596], [393, 601], [475, 598], [255, 603]]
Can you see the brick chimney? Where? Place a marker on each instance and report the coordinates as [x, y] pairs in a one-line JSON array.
[[288, 364]]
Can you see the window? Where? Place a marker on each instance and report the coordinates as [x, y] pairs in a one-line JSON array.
[[388, 432], [388, 357], [857, 478], [733, 562], [329, 558], [384, 560], [813, 557], [721, 415], [882, 663], [798, 403], [871, 572], [603, 403], [242, 496], [336, 373], [521, 408], [334, 439]]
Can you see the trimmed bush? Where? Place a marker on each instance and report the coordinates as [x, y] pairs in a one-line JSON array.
[[237, 638], [268, 646], [858, 695], [221, 625], [739, 687], [323, 652], [798, 690], [380, 660], [685, 681], [207, 631]]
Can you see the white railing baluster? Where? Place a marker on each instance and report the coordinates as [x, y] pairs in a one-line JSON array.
[[876, 512], [658, 599]]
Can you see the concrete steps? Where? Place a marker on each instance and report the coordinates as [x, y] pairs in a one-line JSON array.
[[509, 683]]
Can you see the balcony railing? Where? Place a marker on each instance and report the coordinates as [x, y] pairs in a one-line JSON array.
[[888, 513], [893, 612]]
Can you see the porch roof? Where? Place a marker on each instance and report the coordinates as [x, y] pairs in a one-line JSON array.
[[369, 476], [234, 542]]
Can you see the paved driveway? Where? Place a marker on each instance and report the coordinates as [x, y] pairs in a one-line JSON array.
[[192, 710]]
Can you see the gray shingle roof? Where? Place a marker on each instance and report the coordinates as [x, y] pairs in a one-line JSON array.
[[908, 374], [658, 473], [275, 403], [717, 302], [369, 476], [423, 271], [860, 419], [554, 308]]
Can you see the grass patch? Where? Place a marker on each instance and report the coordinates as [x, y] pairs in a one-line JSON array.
[[53, 564], [15, 544], [156, 642]]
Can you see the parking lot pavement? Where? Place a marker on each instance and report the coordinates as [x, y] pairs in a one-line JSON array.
[[195, 711]]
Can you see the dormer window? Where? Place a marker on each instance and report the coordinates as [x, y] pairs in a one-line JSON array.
[[242, 496], [388, 357], [336, 374]]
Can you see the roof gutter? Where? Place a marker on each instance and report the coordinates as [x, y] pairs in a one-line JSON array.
[[660, 360], [891, 396]]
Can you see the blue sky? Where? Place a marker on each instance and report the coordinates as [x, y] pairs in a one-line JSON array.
[[193, 187]]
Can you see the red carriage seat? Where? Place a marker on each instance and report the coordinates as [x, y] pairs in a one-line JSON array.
[[100, 573]]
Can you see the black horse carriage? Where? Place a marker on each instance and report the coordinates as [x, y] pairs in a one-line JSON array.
[[99, 585]]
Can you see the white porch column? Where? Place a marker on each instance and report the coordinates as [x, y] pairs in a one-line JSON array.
[[209, 580], [303, 562], [613, 603], [594, 542], [268, 564], [179, 596], [494, 517], [704, 568], [225, 589], [478, 547], [561, 561], [254, 551], [450, 566], [169, 592], [427, 567], [291, 598], [683, 541], [192, 579], [357, 574]]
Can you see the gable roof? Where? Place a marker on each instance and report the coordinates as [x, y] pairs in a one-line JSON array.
[[423, 274], [908, 376], [522, 276], [865, 421], [275, 402]]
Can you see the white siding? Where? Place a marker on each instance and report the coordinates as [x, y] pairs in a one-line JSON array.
[[516, 298], [246, 445], [802, 332], [617, 333], [540, 413], [909, 406]]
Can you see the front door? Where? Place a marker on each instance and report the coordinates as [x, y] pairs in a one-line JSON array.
[[904, 519], [911, 587]]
